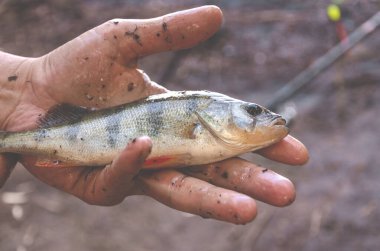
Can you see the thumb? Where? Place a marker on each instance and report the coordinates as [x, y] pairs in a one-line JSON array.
[[116, 180]]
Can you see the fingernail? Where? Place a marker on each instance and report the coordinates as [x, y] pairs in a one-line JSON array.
[[148, 146]]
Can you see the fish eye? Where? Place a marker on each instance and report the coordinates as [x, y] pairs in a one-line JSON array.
[[253, 109]]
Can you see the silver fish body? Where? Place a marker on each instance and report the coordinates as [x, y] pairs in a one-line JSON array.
[[186, 128]]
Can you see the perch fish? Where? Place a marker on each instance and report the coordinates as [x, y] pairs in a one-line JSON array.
[[186, 128]]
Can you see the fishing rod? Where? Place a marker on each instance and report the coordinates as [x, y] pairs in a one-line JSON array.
[[322, 63]]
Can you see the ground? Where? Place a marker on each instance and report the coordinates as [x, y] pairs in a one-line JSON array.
[[261, 46]]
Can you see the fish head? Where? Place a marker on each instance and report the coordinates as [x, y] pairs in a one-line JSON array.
[[256, 125], [242, 125]]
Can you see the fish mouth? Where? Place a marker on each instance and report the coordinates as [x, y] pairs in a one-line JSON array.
[[278, 121]]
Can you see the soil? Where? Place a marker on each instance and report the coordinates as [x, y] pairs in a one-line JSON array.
[[261, 46]]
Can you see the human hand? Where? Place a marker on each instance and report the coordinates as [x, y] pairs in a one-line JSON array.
[[226, 190], [99, 69]]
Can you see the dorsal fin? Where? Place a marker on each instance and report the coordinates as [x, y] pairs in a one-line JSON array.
[[62, 114]]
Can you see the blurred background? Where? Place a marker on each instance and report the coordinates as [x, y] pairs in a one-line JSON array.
[[261, 46]]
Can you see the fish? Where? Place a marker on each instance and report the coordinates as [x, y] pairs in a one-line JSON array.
[[186, 128]]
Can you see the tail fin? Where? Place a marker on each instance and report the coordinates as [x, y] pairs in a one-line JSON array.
[[3, 136]]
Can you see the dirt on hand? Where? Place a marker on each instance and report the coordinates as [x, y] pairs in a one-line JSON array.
[[261, 46]]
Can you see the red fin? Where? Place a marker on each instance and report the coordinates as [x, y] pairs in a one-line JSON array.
[[50, 163], [43, 162], [157, 161], [168, 161]]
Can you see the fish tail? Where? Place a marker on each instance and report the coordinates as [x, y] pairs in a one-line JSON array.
[[3, 134], [3, 137], [5, 142]]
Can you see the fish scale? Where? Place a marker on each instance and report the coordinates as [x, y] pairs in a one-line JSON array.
[[186, 128]]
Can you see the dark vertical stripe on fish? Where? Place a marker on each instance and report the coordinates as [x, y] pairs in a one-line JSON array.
[[113, 129], [155, 118], [72, 131], [191, 106], [40, 134]]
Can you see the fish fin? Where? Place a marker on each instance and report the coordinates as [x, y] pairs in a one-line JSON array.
[[167, 161], [51, 163], [5, 145], [4, 134], [196, 131], [62, 114]]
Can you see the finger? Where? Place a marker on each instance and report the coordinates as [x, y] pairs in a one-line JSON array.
[[179, 30], [247, 178], [7, 163], [132, 85], [113, 183], [154, 88], [129, 86], [96, 185], [288, 151], [195, 196]]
